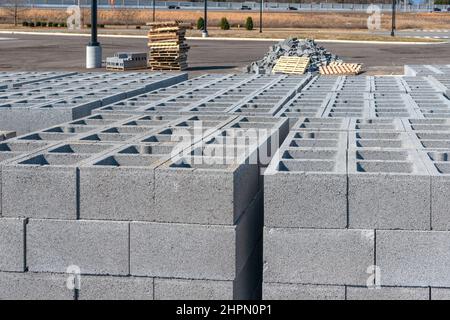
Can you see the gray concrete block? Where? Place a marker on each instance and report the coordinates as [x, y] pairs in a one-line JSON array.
[[306, 188], [388, 190], [41, 186], [118, 187], [178, 289], [115, 288], [440, 293], [438, 166], [387, 293], [319, 256], [183, 251], [96, 247], [190, 194], [12, 244], [34, 286], [413, 258], [281, 291]]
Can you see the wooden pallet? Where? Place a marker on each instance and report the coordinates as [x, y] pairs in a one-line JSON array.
[[341, 68], [291, 65]]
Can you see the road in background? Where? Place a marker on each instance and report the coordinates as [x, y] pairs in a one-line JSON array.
[[224, 6], [37, 52]]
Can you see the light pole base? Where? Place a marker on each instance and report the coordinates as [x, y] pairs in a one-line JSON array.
[[205, 34], [93, 57]]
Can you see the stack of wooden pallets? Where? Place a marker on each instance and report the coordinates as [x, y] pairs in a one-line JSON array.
[[167, 45], [341, 68], [291, 65]]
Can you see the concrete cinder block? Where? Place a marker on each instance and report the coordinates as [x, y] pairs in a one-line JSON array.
[[388, 293], [205, 196], [183, 251], [318, 256], [12, 244], [440, 293], [34, 286], [96, 247], [388, 190], [41, 186], [306, 188], [115, 288], [179, 289], [192, 251], [118, 187], [281, 291], [413, 258]]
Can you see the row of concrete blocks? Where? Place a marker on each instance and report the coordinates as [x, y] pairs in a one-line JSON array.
[[426, 70], [249, 95], [227, 198], [71, 179], [30, 115], [220, 261], [355, 257], [19, 79]]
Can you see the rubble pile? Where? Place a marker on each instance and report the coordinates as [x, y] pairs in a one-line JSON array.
[[318, 55]]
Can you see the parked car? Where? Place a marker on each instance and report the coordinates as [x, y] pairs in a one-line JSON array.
[[244, 7], [437, 10], [292, 8], [448, 9], [173, 7]]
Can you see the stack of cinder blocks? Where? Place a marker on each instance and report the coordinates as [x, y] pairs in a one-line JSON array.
[[40, 104], [184, 193]]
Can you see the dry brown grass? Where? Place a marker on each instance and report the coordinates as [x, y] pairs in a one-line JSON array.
[[312, 20]]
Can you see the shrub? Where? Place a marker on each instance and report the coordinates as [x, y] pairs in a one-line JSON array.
[[43, 24], [50, 24], [38, 23], [63, 25], [200, 24], [31, 24], [25, 24], [249, 23], [101, 26], [224, 24], [138, 27], [88, 25]]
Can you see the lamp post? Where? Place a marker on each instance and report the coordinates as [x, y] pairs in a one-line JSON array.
[[394, 9], [93, 49], [205, 18], [260, 15], [154, 10]]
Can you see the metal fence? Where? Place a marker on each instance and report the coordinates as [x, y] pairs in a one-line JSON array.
[[268, 6]]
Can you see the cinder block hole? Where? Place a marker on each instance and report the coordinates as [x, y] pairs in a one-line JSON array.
[[69, 129], [306, 166], [382, 155], [81, 148], [147, 149], [379, 143], [128, 161], [439, 156], [309, 143], [53, 160], [433, 136], [126, 130], [46, 136], [107, 137], [378, 135], [385, 167], [310, 154]]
